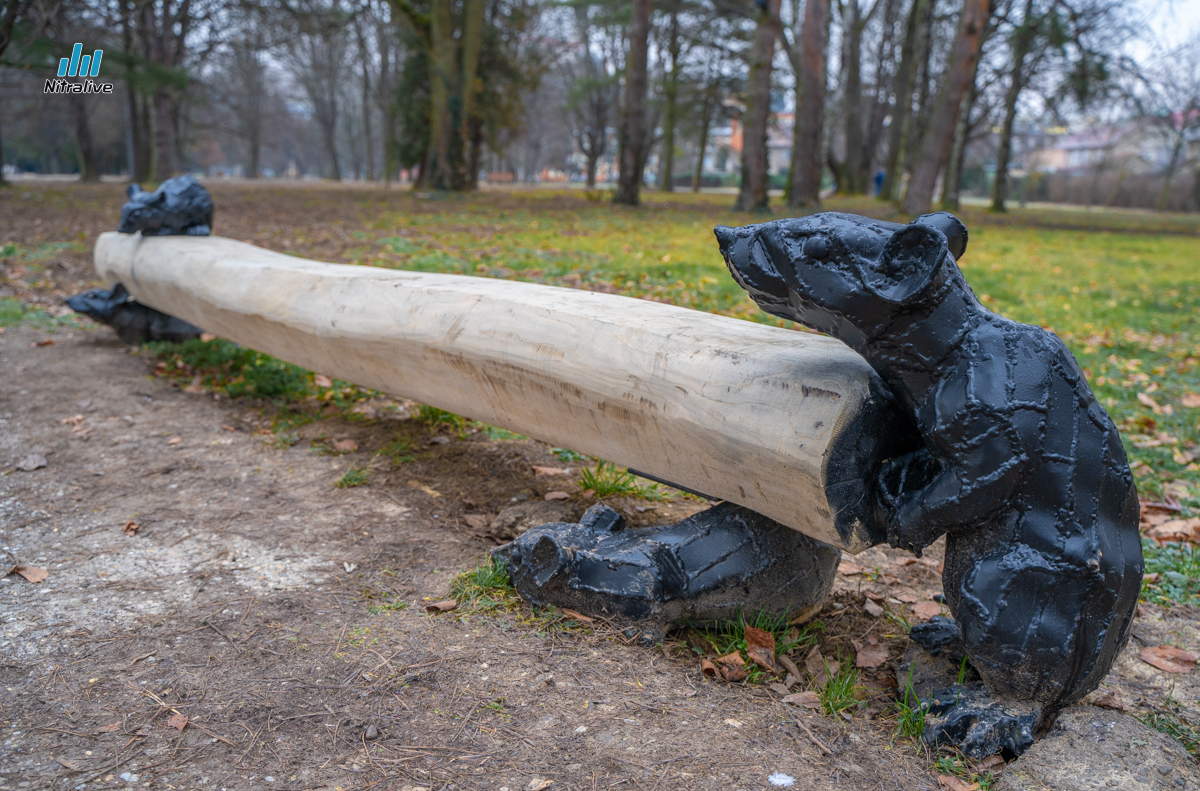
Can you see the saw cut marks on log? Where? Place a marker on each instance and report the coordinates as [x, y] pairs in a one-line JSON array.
[[788, 424]]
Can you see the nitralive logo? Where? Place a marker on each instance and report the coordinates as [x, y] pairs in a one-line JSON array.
[[79, 65]]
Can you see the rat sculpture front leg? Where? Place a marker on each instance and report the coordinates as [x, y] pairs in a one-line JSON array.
[[1022, 470]]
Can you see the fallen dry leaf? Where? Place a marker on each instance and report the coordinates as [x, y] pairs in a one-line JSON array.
[[778, 689], [873, 609], [427, 489], [321, 380], [1109, 700], [1176, 530], [74, 767], [227, 428], [805, 700], [789, 666], [31, 573], [907, 597], [73, 420], [926, 609], [989, 762], [177, 721], [1145, 400], [1190, 400], [760, 647], [1169, 658], [732, 667], [478, 521], [175, 440], [441, 606], [46, 342], [871, 655], [820, 668], [31, 462], [557, 496], [709, 669], [111, 727], [848, 569], [345, 445], [951, 783], [131, 527], [550, 470], [578, 616], [538, 784], [207, 336], [197, 384]]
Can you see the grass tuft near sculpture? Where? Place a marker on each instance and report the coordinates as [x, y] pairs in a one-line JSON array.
[[1022, 469]]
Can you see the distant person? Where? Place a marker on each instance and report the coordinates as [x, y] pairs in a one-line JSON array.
[[878, 182]]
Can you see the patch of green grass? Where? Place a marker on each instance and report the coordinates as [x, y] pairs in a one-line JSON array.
[[355, 476], [436, 418], [567, 456], [496, 433], [910, 714], [1178, 567], [387, 607], [282, 440], [485, 588], [1172, 722], [957, 767], [728, 636], [11, 311], [841, 691], [400, 450], [233, 369], [607, 479]]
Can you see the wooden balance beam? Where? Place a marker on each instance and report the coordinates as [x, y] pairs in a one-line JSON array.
[[786, 423]]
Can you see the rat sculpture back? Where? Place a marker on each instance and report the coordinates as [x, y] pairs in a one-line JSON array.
[[1022, 470], [179, 207]]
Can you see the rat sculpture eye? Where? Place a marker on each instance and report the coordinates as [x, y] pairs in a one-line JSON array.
[[817, 248]]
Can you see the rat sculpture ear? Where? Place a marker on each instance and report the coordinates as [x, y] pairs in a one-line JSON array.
[[951, 227], [909, 263]]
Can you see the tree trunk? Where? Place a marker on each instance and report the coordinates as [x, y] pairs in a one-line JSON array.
[[755, 164], [633, 122], [805, 189], [1021, 45], [88, 170], [852, 181], [443, 81], [591, 171], [903, 105], [952, 182], [1196, 189], [935, 145], [3, 178], [666, 173], [472, 45], [705, 124], [1165, 196], [164, 135]]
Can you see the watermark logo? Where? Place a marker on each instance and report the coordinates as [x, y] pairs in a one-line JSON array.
[[79, 65]]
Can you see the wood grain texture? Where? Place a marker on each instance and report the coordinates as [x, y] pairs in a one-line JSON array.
[[738, 411]]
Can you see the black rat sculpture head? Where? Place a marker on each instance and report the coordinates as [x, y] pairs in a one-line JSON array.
[[1022, 470]]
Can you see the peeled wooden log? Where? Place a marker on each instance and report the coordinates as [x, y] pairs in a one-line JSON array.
[[790, 425]]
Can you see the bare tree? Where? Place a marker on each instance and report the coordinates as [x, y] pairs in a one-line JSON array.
[[316, 51], [592, 98], [1166, 96], [633, 138], [902, 108], [808, 65], [936, 143], [755, 177]]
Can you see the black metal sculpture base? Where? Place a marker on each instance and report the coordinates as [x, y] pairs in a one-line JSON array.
[[133, 321], [708, 567], [1023, 471]]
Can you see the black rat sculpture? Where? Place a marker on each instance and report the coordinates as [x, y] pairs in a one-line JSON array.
[[708, 567], [133, 321], [179, 207], [1022, 470]]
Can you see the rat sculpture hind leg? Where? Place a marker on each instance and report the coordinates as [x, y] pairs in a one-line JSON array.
[[1022, 470]]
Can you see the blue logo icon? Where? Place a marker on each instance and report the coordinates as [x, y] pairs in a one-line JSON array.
[[76, 66]]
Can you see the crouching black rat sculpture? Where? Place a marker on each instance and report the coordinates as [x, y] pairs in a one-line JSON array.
[[1022, 470], [179, 207]]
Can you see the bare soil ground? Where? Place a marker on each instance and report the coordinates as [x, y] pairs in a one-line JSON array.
[[285, 617]]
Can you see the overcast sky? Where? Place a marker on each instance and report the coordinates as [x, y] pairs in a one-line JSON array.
[[1171, 21]]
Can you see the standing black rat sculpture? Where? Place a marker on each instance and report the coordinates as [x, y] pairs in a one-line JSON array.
[[1022, 470]]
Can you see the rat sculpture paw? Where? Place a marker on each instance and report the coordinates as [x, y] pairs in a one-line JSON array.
[[179, 207], [1022, 469], [709, 567]]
